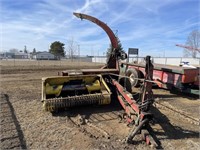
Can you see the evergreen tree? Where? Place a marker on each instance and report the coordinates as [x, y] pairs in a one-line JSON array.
[[57, 48], [119, 48], [34, 51]]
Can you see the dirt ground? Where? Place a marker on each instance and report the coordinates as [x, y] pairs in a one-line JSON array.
[[25, 125]]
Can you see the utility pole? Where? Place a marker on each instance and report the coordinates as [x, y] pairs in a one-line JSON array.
[[25, 49], [92, 52], [79, 50]]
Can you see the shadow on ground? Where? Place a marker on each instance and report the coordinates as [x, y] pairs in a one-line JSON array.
[[11, 133], [171, 131], [94, 113]]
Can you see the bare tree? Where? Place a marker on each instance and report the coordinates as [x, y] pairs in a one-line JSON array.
[[71, 48], [193, 41], [13, 50]]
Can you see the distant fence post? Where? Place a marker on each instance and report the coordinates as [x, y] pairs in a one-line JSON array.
[[165, 60]]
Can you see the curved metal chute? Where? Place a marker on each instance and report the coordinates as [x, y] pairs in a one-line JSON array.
[[115, 54], [109, 32]]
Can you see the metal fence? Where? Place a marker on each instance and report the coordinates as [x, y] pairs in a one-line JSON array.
[[160, 60], [94, 60], [38, 63]]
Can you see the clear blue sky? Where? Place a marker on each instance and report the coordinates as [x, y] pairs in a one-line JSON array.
[[153, 26]]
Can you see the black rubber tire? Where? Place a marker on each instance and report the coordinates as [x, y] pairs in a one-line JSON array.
[[125, 82], [133, 73]]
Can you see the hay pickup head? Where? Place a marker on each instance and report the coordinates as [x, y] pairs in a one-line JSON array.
[[68, 91]]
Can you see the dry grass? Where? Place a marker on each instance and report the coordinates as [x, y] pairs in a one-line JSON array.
[[15, 62], [11, 66]]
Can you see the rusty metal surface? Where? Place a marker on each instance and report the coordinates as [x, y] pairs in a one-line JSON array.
[[115, 53], [139, 108], [109, 32], [92, 71], [171, 68]]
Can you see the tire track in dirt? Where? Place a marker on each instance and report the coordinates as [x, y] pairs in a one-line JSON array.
[[178, 112], [88, 128]]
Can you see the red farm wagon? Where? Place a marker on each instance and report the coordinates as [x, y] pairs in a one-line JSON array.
[[184, 79]]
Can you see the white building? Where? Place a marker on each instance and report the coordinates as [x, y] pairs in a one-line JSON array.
[[21, 55], [43, 56]]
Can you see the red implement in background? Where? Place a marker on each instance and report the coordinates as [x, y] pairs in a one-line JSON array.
[[170, 77], [188, 47]]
